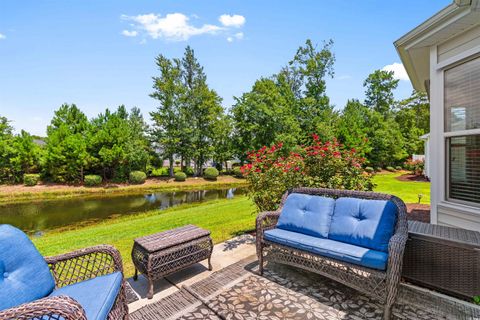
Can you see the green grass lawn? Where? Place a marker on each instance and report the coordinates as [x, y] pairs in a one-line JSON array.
[[408, 191], [224, 218]]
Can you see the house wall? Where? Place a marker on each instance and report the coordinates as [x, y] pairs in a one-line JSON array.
[[442, 56]]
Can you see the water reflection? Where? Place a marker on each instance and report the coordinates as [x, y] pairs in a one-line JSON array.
[[36, 217]]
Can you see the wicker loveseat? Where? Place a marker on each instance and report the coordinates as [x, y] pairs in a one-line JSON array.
[[85, 284], [356, 238]]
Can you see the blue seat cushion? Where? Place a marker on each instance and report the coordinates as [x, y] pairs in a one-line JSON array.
[[365, 223], [307, 214], [24, 274], [329, 248], [96, 295]]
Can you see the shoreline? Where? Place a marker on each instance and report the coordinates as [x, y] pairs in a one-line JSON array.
[[12, 194]]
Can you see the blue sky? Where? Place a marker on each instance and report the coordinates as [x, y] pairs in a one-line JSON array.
[[100, 54]]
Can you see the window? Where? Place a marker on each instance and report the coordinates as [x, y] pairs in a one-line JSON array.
[[462, 124]]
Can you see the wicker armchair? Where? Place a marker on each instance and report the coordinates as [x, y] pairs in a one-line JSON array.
[[71, 268], [381, 285]]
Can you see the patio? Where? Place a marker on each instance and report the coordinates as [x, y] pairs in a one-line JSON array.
[[234, 290]]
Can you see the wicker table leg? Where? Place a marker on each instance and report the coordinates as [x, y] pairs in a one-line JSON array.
[[135, 275], [150, 288], [210, 256]]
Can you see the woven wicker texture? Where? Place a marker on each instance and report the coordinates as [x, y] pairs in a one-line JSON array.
[[68, 269], [443, 258], [170, 238], [380, 285], [170, 251]]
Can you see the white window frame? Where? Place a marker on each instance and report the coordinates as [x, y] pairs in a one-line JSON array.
[[439, 70]]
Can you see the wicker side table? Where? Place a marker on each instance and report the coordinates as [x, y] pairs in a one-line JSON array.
[[164, 253], [443, 258]]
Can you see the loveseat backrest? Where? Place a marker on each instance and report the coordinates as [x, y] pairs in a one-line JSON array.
[[24, 274], [395, 204]]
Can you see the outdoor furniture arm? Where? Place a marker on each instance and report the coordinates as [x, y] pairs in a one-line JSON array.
[[265, 221], [84, 264], [61, 307]]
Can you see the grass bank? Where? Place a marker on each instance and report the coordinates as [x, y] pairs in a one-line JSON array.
[[19, 193], [408, 191], [224, 218]]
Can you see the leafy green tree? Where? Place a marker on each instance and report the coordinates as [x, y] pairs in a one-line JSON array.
[[201, 113], [118, 143], [413, 118], [223, 141], [306, 74], [7, 152], [66, 155], [27, 154], [261, 117], [167, 120], [386, 140], [352, 129], [379, 91]]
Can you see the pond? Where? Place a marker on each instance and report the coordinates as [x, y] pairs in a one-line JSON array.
[[37, 217]]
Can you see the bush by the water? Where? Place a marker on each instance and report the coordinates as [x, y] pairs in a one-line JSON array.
[[210, 173], [180, 176], [272, 171], [92, 180], [137, 177], [369, 170], [31, 179], [237, 172], [391, 169]]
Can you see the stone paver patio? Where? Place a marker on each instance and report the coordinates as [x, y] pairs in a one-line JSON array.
[[233, 290]]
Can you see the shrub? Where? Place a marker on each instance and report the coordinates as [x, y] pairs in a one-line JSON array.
[[378, 169], [391, 169], [237, 172], [137, 177], [369, 170], [210, 173], [92, 180], [416, 167], [398, 168], [31, 179], [272, 171], [180, 176], [189, 171]]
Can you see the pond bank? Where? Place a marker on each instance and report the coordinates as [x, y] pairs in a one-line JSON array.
[[225, 219], [10, 194]]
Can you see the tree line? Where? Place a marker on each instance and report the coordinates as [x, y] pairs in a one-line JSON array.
[[190, 123]]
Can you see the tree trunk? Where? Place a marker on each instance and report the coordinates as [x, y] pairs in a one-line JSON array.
[[170, 160]]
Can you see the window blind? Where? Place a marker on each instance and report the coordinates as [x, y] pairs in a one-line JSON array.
[[462, 96], [464, 168]]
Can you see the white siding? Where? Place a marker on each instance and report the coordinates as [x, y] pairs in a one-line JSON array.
[[465, 41], [445, 212], [458, 216]]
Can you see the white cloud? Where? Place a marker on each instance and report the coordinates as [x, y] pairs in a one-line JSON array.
[[235, 20], [230, 39], [128, 33], [239, 35], [398, 69], [344, 77], [2, 36], [174, 26]]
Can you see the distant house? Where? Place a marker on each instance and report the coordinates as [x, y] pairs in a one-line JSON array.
[[442, 58]]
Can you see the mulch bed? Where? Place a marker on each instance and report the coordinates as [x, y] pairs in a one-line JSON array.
[[412, 177], [418, 212]]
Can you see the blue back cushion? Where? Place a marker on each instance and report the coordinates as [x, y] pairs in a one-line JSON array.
[[24, 274], [307, 214], [365, 223]]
